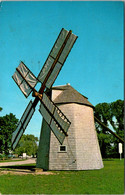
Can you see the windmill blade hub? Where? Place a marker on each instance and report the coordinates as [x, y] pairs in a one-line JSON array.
[[36, 94]]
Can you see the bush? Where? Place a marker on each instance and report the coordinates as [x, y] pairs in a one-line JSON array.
[[3, 157]]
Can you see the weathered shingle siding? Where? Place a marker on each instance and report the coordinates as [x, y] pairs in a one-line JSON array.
[[82, 143], [83, 152], [87, 148], [60, 160], [56, 93]]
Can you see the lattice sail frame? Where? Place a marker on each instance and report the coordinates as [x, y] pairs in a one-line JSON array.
[[56, 120], [54, 55], [26, 81], [22, 124]]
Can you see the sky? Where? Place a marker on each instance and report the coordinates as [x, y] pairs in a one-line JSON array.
[[94, 66]]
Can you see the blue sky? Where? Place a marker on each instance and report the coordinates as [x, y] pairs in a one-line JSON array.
[[94, 66]]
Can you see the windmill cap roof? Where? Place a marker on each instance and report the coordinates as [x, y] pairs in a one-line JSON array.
[[70, 95]]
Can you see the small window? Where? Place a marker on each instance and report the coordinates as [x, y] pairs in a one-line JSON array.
[[62, 149]]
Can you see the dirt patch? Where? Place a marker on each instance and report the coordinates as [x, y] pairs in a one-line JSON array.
[[24, 172], [21, 162]]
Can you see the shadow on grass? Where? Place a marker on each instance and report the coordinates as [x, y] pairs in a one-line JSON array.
[[27, 167]]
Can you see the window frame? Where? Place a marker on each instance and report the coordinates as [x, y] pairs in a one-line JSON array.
[[60, 151]]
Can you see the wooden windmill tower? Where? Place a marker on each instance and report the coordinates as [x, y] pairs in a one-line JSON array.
[[80, 149], [26, 81]]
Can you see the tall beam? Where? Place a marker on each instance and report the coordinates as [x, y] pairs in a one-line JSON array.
[[43, 86], [102, 124]]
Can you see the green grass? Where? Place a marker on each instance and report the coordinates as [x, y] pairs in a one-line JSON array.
[[109, 180], [10, 160]]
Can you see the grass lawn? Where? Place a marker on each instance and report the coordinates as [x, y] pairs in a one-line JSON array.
[[11, 160], [109, 180]]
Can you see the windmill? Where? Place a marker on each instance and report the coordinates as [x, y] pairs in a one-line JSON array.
[[80, 149], [26, 81], [83, 150]]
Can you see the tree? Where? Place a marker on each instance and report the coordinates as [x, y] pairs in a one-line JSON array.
[[8, 124], [27, 144], [111, 114]]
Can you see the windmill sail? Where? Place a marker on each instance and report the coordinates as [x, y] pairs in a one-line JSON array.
[[25, 79], [58, 55], [17, 134], [55, 118]]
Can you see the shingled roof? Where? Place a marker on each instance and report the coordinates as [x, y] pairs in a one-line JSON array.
[[70, 95]]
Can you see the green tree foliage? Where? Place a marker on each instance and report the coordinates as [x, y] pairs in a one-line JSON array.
[[111, 114], [7, 126], [28, 145]]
